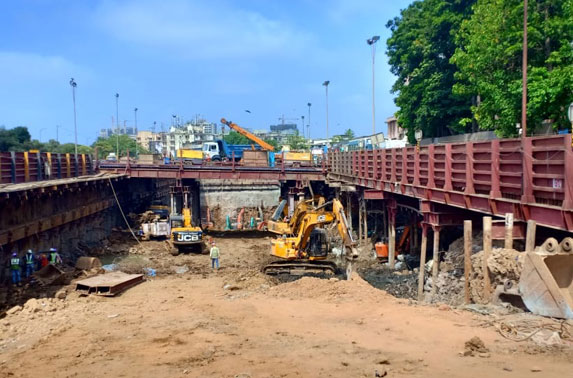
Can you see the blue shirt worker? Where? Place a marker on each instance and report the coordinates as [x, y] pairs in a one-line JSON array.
[[55, 257], [30, 263], [214, 254], [15, 269]]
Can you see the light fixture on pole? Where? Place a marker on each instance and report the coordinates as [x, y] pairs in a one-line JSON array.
[[302, 118], [326, 83], [73, 84], [117, 123], [308, 125], [418, 135], [372, 42]]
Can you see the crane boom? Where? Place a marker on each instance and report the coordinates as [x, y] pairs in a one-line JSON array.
[[247, 134]]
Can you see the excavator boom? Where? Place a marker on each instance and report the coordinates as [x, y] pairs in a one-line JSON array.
[[248, 134]]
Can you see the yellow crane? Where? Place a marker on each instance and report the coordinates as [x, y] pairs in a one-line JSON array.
[[308, 246], [264, 145]]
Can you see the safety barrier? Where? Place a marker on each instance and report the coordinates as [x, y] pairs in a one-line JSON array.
[[482, 175]]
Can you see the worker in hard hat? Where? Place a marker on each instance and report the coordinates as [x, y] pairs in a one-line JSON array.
[[214, 254], [30, 263], [15, 268], [55, 257]]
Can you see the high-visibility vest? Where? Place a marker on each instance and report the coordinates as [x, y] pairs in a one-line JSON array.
[[15, 262], [29, 259], [53, 257]]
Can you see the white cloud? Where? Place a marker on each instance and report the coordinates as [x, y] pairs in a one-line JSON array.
[[199, 29], [27, 67]]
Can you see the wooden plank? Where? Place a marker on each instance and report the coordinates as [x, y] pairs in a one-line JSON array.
[[467, 259], [508, 231], [485, 257], [530, 237], [422, 262]]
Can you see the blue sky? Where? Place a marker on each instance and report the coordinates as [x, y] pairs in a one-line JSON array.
[[213, 58]]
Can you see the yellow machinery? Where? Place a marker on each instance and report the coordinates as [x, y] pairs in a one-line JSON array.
[[307, 248], [264, 145], [303, 207], [184, 236]]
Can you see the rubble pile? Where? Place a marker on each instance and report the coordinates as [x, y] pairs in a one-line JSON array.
[[503, 264]]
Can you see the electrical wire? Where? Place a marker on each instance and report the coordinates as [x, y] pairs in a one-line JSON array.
[[123, 214]]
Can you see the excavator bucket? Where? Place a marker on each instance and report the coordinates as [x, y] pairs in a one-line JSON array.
[[546, 283]]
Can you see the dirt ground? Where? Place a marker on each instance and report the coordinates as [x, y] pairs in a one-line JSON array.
[[236, 322]]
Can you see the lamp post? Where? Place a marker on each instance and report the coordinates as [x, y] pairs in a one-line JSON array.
[[326, 86], [524, 75], [117, 123], [308, 125], [73, 84], [302, 118], [136, 149], [372, 42]]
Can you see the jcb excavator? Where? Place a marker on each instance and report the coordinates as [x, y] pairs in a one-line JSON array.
[[307, 247], [303, 207], [184, 236]]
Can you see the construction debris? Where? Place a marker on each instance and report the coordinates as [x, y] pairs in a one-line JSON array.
[[475, 345]]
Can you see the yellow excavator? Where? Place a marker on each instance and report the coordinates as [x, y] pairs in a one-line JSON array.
[[306, 248], [283, 227], [184, 236]]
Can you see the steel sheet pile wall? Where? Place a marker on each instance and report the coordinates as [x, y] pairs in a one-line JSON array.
[[531, 178], [18, 167]]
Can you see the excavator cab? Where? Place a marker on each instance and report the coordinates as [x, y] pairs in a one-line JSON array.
[[318, 245]]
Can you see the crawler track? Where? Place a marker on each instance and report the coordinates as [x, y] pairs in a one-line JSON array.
[[300, 267]]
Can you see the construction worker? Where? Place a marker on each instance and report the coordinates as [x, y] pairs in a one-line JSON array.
[[214, 254], [15, 268], [30, 263], [43, 260], [55, 257]]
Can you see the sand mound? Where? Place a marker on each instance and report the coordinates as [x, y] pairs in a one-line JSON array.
[[328, 289]]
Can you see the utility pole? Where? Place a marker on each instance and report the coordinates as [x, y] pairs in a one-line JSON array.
[[302, 117], [326, 86], [74, 85], [136, 148], [372, 42], [524, 78], [117, 123], [308, 125]]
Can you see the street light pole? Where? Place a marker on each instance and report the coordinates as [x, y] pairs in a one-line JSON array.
[[326, 86], [74, 85], [372, 42], [117, 123], [524, 77], [302, 117], [136, 149], [308, 125]]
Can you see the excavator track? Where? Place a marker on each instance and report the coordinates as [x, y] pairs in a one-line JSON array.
[[294, 267]]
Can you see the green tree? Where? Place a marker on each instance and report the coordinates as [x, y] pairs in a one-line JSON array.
[[108, 145], [419, 50], [297, 142], [490, 63], [16, 139], [235, 138], [348, 134]]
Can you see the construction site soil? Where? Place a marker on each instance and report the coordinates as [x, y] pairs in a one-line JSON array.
[[192, 321]]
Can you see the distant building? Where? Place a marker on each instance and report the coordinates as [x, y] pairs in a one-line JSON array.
[[394, 131]]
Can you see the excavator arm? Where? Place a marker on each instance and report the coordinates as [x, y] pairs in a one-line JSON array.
[[248, 134], [343, 229]]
